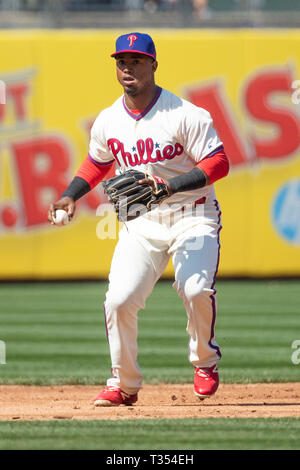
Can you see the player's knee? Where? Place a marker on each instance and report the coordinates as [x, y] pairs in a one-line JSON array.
[[120, 304], [194, 288]]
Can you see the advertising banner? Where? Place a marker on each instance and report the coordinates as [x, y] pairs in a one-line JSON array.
[[54, 83]]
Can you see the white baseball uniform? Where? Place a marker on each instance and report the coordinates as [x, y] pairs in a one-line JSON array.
[[167, 139]]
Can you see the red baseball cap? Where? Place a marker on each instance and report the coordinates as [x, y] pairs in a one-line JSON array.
[[135, 42]]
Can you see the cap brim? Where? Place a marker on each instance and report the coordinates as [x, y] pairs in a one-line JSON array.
[[133, 51]]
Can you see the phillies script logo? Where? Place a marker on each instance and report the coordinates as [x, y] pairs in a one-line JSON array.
[[132, 38], [144, 152], [35, 166]]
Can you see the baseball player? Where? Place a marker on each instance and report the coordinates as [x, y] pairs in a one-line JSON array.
[[175, 145]]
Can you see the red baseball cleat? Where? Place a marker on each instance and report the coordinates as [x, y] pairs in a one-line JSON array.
[[113, 396], [206, 381]]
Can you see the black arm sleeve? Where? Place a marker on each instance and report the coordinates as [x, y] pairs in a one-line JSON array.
[[194, 179], [77, 188]]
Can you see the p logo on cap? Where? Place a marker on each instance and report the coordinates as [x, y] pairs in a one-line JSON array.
[[131, 39], [135, 42]]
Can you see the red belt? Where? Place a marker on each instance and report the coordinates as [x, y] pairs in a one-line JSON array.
[[200, 201], [196, 203]]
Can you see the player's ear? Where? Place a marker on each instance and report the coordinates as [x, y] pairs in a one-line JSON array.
[[154, 65]]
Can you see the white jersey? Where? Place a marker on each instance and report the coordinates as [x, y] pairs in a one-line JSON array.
[[167, 139]]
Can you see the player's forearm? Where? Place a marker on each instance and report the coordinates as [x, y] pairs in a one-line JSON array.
[[76, 189], [194, 179], [86, 178], [207, 171]]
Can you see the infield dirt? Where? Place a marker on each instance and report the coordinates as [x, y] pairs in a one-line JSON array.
[[155, 401]]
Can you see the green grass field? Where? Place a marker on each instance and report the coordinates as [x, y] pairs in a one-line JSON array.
[[55, 333], [183, 434]]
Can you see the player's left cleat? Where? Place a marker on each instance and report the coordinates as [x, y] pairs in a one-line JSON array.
[[114, 396], [206, 381]]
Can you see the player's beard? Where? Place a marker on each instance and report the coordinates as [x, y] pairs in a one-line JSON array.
[[130, 91]]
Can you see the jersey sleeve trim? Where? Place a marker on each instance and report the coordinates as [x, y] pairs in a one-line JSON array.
[[216, 167], [93, 173], [218, 148], [109, 162]]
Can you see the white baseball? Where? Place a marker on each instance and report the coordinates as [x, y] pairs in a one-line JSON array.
[[61, 217]]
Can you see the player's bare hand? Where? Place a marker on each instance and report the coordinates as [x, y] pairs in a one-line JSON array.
[[65, 203]]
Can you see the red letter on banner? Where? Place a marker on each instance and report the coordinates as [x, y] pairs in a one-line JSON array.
[[210, 98], [257, 98], [33, 180], [18, 94]]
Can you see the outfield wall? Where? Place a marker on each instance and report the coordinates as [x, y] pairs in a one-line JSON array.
[[56, 82]]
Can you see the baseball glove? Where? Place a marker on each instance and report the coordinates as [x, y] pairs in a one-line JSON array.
[[131, 198]]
